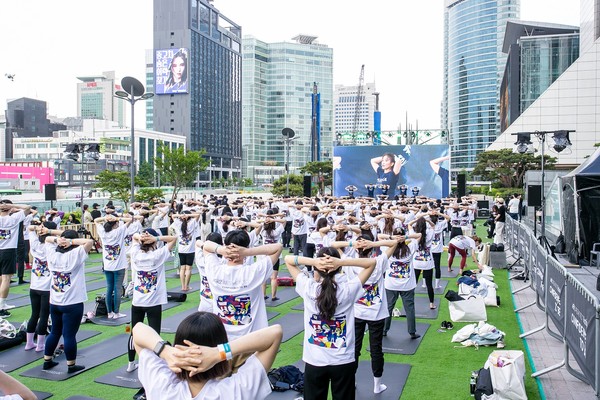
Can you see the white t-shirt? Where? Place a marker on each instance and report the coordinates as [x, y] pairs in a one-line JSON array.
[[149, 282], [298, 222], [274, 236], [41, 278], [400, 274], [437, 244], [186, 243], [163, 217], [463, 242], [321, 241], [250, 382], [9, 230], [422, 258], [26, 223], [68, 276], [206, 296], [114, 256], [237, 294], [328, 342], [372, 304], [134, 227], [513, 206]]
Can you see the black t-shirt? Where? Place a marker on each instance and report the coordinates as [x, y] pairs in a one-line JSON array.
[[96, 214], [387, 178], [501, 214]]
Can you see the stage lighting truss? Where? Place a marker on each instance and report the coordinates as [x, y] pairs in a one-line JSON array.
[[89, 151], [409, 136], [561, 141]]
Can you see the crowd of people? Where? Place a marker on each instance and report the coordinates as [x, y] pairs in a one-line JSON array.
[[351, 259]]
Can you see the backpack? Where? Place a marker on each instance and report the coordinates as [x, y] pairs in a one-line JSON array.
[[483, 385], [286, 377], [560, 246], [100, 310], [451, 295]]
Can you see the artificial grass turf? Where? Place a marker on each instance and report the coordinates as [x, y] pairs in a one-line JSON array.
[[440, 369]]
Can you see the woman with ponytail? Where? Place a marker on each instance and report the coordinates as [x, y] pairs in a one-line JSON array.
[[329, 296], [186, 228], [422, 258]]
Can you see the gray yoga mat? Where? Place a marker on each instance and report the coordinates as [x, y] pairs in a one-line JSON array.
[[271, 314], [16, 357], [170, 324], [299, 307], [91, 357], [284, 295], [39, 395], [292, 324], [441, 290], [194, 287], [121, 378], [422, 309], [446, 274], [394, 377], [398, 341], [95, 285]]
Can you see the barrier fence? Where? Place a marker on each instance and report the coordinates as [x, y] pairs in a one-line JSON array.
[[572, 308]]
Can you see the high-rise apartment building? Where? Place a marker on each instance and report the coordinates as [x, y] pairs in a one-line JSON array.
[[96, 98], [277, 92], [149, 103], [473, 68], [349, 118], [198, 81], [25, 118]]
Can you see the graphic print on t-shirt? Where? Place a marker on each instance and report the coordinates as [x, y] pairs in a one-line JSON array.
[[61, 281], [185, 239], [112, 252], [147, 281], [370, 295], [298, 222], [128, 239], [40, 268], [235, 310], [399, 269], [5, 234], [328, 333], [423, 255], [437, 237], [205, 288]]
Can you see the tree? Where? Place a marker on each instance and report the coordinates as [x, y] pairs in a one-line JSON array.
[[508, 168], [179, 167], [117, 183], [145, 174], [322, 169], [149, 195], [296, 186], [245, 182]]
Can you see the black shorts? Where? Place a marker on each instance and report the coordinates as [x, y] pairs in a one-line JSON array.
[[276, 266], [8, 261], [186, 258]]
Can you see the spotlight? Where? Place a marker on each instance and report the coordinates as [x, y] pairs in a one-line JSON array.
[[561, 140], [523, 143], [71, 152]]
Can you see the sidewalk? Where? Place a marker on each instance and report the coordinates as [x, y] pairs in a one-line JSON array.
[[546, 351]]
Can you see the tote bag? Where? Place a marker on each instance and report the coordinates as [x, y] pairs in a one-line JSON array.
[[468, 310]]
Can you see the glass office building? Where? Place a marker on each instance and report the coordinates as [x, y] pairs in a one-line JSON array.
[[474, 64], [277, 91]]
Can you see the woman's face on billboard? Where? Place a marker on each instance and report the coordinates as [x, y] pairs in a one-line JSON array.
[[178, 68]]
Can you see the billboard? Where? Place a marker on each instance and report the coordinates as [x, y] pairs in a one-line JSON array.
[[171, 71], [423, 166]]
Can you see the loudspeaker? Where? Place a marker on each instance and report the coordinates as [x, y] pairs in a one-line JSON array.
[[461, 183], [50, 191], [307, 185], [534, 195]]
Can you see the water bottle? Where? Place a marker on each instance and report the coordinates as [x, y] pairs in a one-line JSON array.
[[474, 375]]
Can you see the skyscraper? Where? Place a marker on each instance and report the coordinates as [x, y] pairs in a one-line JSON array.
[[346, 113], [197, 80], [473, 69], [96, 100], [279, 80], [25, 118]]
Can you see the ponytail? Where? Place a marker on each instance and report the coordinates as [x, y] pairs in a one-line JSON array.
[[327, 301]]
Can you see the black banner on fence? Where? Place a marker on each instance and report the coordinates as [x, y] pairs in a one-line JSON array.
[[581, 328], [555, 304], [539, 270]]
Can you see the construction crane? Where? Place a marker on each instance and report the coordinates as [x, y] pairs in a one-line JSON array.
[[359, 92]]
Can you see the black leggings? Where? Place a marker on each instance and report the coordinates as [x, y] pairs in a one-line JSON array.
[[40, 311], [437, 259], [154, 315], [428, 276]]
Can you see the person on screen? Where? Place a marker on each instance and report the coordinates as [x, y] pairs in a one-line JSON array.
[[388, 168], [177, 81], [442, 172]]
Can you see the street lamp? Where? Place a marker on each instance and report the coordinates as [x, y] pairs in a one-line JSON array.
[[288, 134], [134, 91], [73, 151]]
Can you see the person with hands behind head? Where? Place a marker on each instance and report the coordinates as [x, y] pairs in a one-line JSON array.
[[148, 257], [68, 292], [329, 297], [199, 365]]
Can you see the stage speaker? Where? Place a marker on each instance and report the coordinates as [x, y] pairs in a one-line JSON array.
[[461, 185], [50, 191], [307, 185], [534, 195]]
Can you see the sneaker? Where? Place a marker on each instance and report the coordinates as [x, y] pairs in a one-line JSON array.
[[4, 313], [8, 307], [274, 298], [131, 366], [110, 315], [119, 315]]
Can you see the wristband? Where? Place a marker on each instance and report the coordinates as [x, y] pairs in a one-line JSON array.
[[296, 261], [228, 353], [350, 243], [222, 352]]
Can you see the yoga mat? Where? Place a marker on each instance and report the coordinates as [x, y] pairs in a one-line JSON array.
[[292, 324], [121, 378], [271, 314], [14, 296], [194, 287], [299, 307], [95, 285], [83, 398], [91, 357], [398, 341], [446, 274], [39, 395], [16, 357], [170, 324], [442, 290], [284, 295], [422, 309]]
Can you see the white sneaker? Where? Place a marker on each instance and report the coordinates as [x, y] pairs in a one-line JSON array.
[[119, 315], [8, 306], [110, 315], [131, 366]]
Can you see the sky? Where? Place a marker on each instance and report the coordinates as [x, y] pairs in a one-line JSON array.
[[47, 44]]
